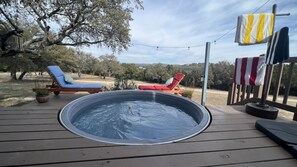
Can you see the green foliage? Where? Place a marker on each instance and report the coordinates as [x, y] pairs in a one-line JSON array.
[[41, 91], [218, 77], [24, 62], [17, 63], [108, 65], [11, 42], [187, 93], [122, 83], [222, 73], [77, 23], [284, 80], [131, 71], [62, 56], [193, 73], [86, 63], [156, 73]]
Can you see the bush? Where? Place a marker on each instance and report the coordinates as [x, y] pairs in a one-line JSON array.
[[187, 93], [123, 83], [41, 91]]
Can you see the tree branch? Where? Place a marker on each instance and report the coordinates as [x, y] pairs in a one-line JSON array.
[[17, 31], [39, 19], [28, 43], [16, 28], [13, 52], [9, 20], [82, 43], [70, 28], [52, 13]]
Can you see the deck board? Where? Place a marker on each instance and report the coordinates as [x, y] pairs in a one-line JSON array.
[[29, 121], [189, 160], [31, 135], [28, 116], [31, 128], [284, 163], [120, 152]]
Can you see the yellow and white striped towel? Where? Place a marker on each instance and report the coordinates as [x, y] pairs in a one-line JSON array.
[[254, 28]]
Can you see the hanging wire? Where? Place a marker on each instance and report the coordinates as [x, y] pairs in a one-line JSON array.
[[198, 45], [169, 47], [261, 6], [216, 40]]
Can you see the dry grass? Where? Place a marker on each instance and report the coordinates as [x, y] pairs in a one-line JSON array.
[[19, 92], [15, 92]]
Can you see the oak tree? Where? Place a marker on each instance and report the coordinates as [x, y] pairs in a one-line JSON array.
[[67, 22]]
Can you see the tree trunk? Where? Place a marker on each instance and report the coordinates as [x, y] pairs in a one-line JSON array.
[[13, 75], [22, 75]]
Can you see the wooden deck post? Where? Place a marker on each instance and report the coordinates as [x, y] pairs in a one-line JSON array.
[[238, 93], [249, 89], [288, 83], [234, 93], [258, 91], [278, 81], [269, 78], [243, 90], [230, 92]]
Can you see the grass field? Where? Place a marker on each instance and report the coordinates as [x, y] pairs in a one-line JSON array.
[[19, 92]]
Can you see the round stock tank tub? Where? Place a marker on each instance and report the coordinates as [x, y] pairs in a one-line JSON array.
[[135, 117]]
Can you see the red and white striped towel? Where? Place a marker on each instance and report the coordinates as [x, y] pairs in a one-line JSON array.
[[249, 71]]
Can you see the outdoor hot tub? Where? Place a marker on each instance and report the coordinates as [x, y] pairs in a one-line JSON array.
[[135, 117]]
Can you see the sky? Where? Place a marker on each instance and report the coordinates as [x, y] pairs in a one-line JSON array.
[[184, 23]]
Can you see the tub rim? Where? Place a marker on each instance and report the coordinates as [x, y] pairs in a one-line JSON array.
[[67, 124]]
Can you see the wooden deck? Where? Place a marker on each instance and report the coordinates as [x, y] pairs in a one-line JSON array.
[[31, 135]]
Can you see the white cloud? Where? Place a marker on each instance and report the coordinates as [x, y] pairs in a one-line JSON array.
[[186, 23]]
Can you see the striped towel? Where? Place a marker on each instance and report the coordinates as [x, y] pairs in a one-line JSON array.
[[249, 71], [278, 49], [254, 28]]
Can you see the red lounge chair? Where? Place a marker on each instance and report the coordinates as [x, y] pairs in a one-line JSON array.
[[60, 85], [172, 88]]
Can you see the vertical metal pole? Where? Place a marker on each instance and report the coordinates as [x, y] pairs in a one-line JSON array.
[[206, 62], [268, 67]]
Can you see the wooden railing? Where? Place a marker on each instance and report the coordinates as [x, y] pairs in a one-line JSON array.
[[241, 94]]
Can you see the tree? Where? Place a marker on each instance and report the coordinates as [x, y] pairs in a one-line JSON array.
[[24, 59], [86, 63], [15, 64], [101, 69], [67, 22], [131, 71], [193, 75], [222, 73], [63, 56], [157, 73], [108, 66]]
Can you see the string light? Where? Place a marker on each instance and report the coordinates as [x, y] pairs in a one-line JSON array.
[[169, 47], [198, 45]]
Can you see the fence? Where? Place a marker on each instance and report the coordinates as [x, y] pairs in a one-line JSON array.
[[242, 94]]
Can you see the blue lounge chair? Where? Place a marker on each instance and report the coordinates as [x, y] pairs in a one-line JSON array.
[[60, 83]]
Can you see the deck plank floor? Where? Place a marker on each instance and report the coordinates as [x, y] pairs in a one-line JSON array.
[[31, 135]]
